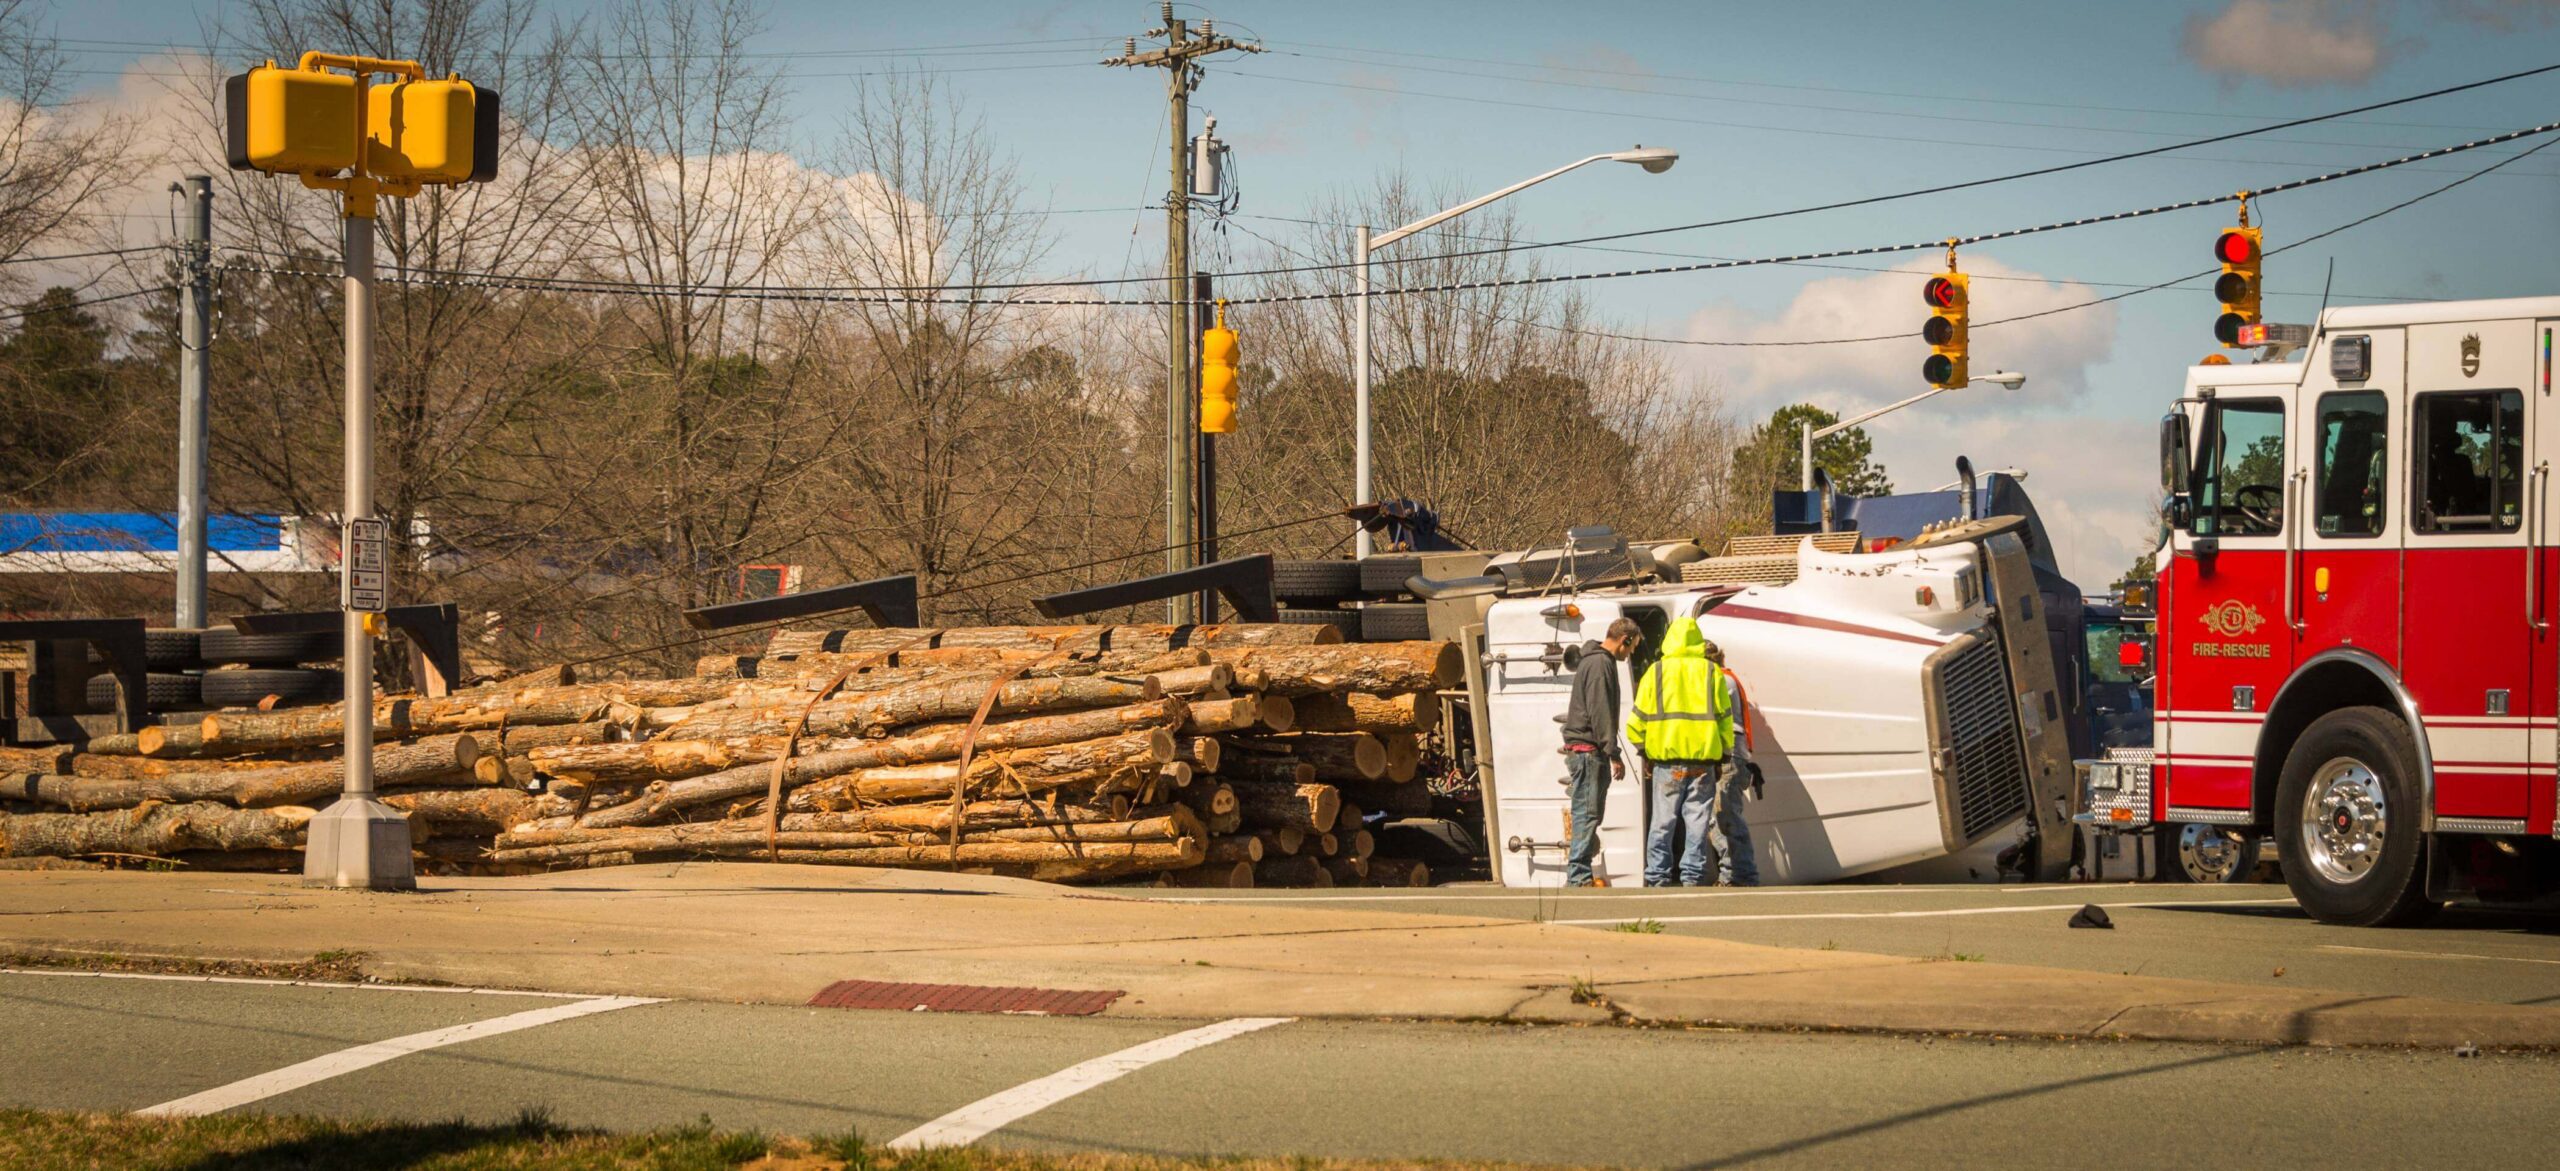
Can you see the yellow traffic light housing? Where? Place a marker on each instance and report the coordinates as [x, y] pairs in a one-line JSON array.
[[1949, 298], [432, 132], [289, 120], [2238, 249], [1218, 377]]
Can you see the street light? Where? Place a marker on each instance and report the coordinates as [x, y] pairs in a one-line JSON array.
[[1654, 159], [1807, 433]]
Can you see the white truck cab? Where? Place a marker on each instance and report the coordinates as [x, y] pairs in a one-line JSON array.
[[1903, 705]]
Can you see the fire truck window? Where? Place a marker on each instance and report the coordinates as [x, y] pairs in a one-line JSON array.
[[2469, 462], [2242, 493], [2349, 491]]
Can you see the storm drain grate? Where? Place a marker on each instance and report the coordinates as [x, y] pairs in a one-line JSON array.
[[962, 998]]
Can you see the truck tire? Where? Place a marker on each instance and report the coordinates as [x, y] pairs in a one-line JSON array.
[[1346, 621], [1395, 622], [172, 649], [2210, 854], [1383, 575], [221, 644], [160, 692], [251, 687], [2346, 821], [1321, 582]]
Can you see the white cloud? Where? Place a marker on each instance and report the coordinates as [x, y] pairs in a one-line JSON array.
[[2091, 478], [2292, 43]]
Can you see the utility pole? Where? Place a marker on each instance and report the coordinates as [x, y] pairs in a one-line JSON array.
[[1181, 48], [195, 337]]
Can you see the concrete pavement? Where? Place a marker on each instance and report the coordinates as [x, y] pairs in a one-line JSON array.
[[1381, 1089], [778, 934]]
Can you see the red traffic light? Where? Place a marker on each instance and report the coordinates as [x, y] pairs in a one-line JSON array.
[[2234, 247], [1939, 293]]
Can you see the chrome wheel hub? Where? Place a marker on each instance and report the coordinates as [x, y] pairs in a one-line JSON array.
[[2211, 854], [2344, 816]]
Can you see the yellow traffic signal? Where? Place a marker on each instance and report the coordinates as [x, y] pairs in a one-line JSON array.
[[433, 132], [289, 120], [2237, 288], [1218, 377], [1950, 303]]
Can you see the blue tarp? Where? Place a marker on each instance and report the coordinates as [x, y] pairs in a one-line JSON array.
[[131, 532]]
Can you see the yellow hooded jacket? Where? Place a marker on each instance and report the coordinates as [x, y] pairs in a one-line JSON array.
[[1684, 709]]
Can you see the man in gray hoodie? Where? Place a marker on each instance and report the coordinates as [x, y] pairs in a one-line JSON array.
[[1591, 753]]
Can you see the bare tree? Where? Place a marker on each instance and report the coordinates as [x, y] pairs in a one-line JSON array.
[[53, 165]]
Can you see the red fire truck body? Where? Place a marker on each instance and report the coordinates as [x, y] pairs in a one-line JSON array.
[[2355, 649]]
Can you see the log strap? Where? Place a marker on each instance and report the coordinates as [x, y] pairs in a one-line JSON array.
[[791, 742], [969, 749]]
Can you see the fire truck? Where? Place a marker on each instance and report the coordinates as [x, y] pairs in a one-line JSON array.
[[2356, 596]]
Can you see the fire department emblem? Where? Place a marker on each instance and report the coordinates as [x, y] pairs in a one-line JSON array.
[[2470, 355], [2233, 618]]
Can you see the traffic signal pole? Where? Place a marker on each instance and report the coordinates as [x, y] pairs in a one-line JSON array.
[[1206, 450], [195, 333]]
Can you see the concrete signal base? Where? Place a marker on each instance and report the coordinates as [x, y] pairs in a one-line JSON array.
[[359, 843]]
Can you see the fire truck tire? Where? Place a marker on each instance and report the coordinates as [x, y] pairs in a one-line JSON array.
[[1321, 582], [2208, 854], [2346, 821]]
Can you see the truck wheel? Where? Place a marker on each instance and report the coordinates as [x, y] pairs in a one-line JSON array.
[[2208, 854], [1395, 622], [1320, 582], [1346, 621], [160, 692], [2346, 821]]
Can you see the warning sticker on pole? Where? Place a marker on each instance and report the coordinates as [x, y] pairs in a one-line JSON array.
[[365, 576]]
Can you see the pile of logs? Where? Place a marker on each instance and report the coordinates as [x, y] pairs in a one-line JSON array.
[[1213, 756]]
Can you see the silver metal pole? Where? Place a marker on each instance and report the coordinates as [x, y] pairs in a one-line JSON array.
[[358, 842], [1360, 494], [1804, 461], [195, 332], [358, 660]]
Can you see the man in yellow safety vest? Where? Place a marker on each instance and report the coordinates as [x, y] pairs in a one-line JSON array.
[[1684, 720]]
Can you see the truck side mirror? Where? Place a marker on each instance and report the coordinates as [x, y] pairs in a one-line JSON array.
[[2175, 462]]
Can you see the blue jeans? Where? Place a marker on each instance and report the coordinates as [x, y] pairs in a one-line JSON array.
[[1732, 835], [1588, 774], [1683, 799]]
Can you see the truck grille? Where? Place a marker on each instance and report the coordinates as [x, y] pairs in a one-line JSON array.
[[1989, 785]]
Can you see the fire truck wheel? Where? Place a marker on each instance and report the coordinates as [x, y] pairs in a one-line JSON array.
[[2209, 854], [2346, 820]]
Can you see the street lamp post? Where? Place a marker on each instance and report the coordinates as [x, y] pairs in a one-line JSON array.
[[1655, 160], [1806, 432]]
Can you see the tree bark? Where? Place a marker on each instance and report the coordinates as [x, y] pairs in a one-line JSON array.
[[443, 760], [475, 813], [1275, 805], [160, 830], [995, 773], [1405, 800], [408, 717], [1346, 870], [1385, 668], [521, 740], [1404, 757], [1243, 767], [1200, 752], [1354, 843], [1337, 756], [931, 745], [640, 761], [1379, 715], [1269, 713], [936, 699], [175, 740], [555, 675], [1211, 876], [52, 760], [1235, 849], [1090, 639], [1096, 858], [1280, 843], [91, 764], [1299, 870], [1398, 872]]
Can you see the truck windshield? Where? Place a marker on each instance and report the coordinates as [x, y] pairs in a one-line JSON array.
[[2240, 489], [2106, 652]]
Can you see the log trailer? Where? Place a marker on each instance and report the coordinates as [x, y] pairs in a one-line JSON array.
[[1905, 702], [2355, 607]]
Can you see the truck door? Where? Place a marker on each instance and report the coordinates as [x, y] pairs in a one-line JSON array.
[[2347, 576], [2466, 608], [2228, 649]]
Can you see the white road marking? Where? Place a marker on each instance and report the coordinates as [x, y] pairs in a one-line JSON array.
[[1926, 914], [2433, 955], [978, 1119], [1555, 895], [346, 1061], [274, 983]]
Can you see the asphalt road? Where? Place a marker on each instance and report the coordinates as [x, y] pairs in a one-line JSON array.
[[2250, 934], [1380, 1089]]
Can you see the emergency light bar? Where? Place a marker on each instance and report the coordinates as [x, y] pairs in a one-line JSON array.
[[2275, 335]]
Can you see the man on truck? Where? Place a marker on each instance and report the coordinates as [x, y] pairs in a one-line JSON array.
[[1590, 737], [1683, 724]]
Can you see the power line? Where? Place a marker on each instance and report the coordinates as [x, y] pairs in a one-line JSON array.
[[39, 310], [84, 255]]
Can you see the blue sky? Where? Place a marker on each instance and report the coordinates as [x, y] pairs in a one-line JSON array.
[[1772, 107]]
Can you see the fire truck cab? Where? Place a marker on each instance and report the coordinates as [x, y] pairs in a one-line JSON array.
[[2356, 594]]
